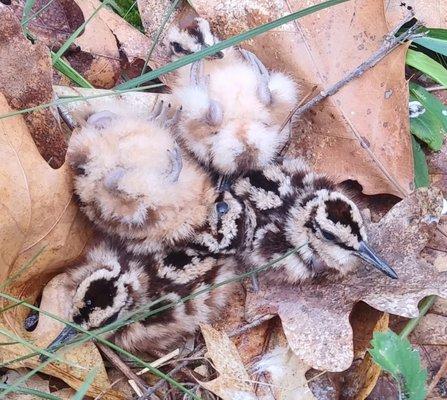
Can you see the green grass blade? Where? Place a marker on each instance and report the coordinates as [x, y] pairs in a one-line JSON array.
[[24, 378], [427, 65], [82, 391], [421, 178], [31, 346], [66, 69], [32, 392], [190, 58], [71, 99], [76, 33], [158, 34], [29, 4], [435, 40], [25, 22], [22, 269]]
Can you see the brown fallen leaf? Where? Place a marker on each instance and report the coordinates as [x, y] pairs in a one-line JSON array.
[[25, 81], [361, 377], [432, 13], [38, 215], [94, 53], [233, 380], [320, 49], [133, 45], [35, 382], [315, 316]]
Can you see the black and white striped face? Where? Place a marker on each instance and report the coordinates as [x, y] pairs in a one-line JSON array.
[[336, 233], [192, 38]]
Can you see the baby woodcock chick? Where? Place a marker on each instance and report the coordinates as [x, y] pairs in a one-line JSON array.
[[233, 108], [298, 209]]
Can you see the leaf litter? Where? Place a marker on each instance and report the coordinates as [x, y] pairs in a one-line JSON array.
[[316, 318]]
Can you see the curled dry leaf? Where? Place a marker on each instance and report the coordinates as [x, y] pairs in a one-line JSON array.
[[94, 53], [233, 380], [38, 216], [25, 81], [315, 316], [280, 373], [368, 116]]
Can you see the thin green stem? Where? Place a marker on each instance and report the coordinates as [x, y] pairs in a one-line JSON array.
[[72, 99], [158, 34], [36, 14], [412, 323], [32, 392]]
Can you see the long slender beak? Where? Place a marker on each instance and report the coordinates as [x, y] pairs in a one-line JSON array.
[[366, 253], [66, 334], [219, 54]]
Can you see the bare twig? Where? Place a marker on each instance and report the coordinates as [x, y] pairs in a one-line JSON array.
[[440, 374], [200, 351], [435, 88], [391, 42], [121, 365]]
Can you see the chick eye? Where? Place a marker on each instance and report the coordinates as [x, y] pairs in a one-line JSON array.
[[328, 235], [88, 303], [222, 208], [177, 47]]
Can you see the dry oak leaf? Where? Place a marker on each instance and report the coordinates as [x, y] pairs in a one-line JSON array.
[[432, 13], [25, 81], [37, 216], [315, 315], [94, 53], [367, 116], [133, 45], [233, 381]]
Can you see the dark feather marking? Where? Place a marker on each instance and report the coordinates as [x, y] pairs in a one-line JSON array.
[[177, 259], [322, 182], [340, 211], [258, 180], [274, 243], [101, 293], [162, 317]]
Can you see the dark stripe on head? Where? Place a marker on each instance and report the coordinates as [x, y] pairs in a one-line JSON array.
[[274, 243], [259, 180], [340, 211]]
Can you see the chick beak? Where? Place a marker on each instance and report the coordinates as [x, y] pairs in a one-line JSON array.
[[219, 54], [367, 254], [66, 334]]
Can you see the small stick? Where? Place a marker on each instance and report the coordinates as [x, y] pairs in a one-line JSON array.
[[200, 351], [121, 365], [160, 361], [441, 373], [435, 88]]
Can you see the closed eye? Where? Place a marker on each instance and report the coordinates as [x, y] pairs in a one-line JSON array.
[[328, 235]]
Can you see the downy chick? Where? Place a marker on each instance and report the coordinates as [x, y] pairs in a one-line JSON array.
[[113, 284], [298, 209], [132, 181], [233, 108]]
